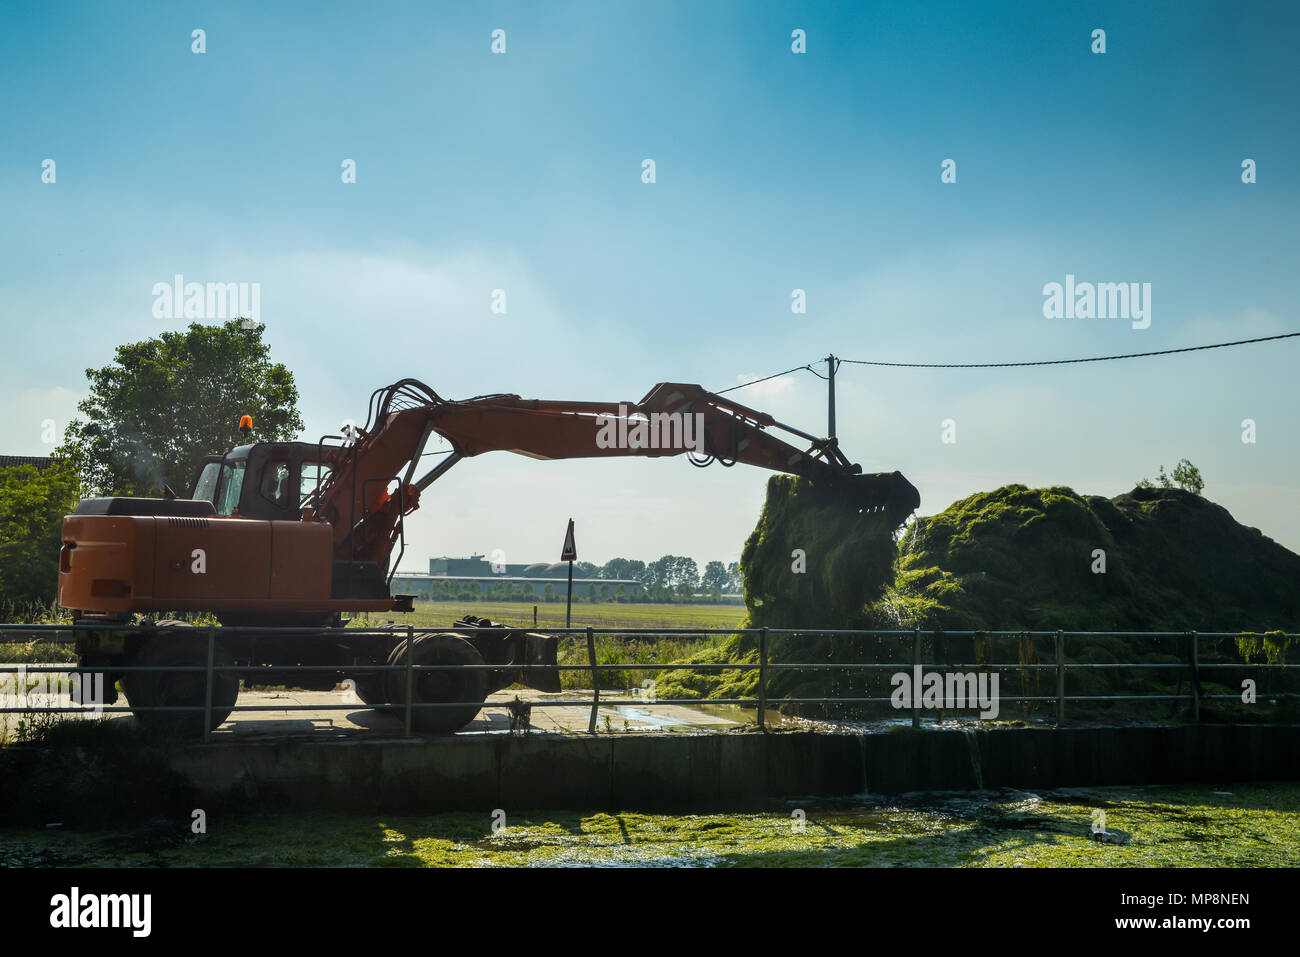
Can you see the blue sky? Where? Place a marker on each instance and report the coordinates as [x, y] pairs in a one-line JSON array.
[[775, 171]]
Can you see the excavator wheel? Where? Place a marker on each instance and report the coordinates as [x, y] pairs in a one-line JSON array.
[[430, 686], [177, 688], [371, 689]]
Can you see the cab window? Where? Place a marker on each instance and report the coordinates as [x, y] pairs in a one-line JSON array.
[[232, 482], [312, 475], [275, 483], [206, 486]]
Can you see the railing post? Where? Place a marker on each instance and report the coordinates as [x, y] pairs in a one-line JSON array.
[[410, 676], [1060, 678], [1196, 675], [762, 678], [207, 687], [916, 674], [595, 681]]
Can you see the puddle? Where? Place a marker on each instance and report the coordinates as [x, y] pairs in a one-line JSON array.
[[658, 722]]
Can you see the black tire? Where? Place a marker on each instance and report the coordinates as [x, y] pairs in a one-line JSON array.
[[372, 687], [371, 690], [177, 688], [435, 686]]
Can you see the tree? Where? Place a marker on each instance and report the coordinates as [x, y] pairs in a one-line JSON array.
[[1186, 476], [32, 505], [714, 580], [166, 403], [657, 572], [623, 568], [686, 574]]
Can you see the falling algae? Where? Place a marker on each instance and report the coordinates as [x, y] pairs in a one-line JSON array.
[[816, 559]]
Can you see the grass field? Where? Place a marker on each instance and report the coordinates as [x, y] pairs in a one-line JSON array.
[[621, 653], [601, 615]]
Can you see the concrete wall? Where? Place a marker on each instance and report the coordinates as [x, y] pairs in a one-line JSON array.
[[701, 771]]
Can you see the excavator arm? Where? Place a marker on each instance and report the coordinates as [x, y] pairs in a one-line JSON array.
[[373, 482]]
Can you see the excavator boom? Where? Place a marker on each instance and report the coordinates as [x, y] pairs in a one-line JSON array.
[[671, 419]]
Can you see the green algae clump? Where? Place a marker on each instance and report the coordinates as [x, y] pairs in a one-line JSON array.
[[1029, 558], [815, 559], [1014, 559]]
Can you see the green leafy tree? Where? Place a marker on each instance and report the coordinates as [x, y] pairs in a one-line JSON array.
[[715, 579], [657, 573], [624, 568], [685, 574], [165, 403], [1186, 477], [32, 505]]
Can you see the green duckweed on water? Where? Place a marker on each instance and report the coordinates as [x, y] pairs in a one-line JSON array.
[[1236, 825]]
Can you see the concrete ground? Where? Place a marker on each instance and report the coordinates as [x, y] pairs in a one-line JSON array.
[[494, 718], [360, 720]]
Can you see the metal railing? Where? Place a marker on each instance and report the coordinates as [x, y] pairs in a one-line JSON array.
[[1193, 668]]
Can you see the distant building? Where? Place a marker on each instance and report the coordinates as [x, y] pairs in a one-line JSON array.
[[477, 566], [476, 575], [40, 461]]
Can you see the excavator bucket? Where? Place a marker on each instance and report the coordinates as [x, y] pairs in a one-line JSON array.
[[886, 492]]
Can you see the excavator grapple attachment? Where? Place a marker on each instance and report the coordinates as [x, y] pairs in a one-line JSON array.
[[886, 492]]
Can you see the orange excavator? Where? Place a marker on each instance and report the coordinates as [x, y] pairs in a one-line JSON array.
[[281, 539]]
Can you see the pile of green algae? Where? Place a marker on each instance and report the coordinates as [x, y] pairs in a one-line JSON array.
[[1014, 559]]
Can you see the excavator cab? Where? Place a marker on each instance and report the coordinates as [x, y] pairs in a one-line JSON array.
[[272, 481]]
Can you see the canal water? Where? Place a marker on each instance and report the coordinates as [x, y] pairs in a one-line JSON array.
[[1245, 825]]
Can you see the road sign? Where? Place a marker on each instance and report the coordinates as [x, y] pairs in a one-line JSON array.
[[570, 553]]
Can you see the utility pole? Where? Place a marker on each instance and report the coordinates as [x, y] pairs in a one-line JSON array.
[[831, 363]]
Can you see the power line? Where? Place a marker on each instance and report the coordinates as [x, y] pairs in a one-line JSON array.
[[1008, 365], [775, 375], [1062, 362]]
